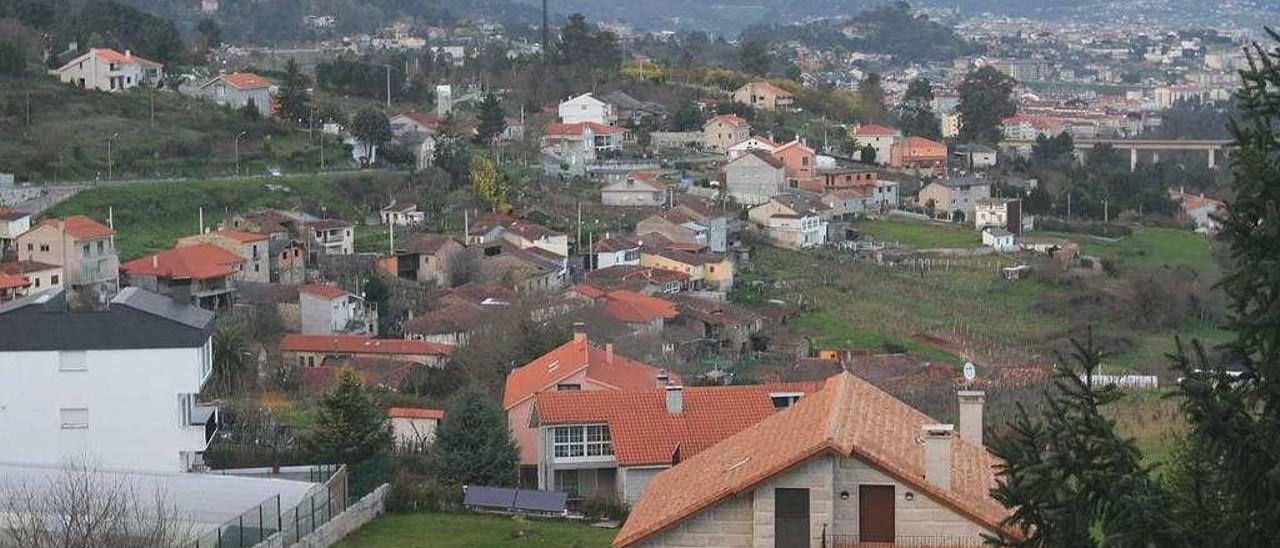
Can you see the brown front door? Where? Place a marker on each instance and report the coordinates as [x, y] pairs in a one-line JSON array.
[[875, 513]]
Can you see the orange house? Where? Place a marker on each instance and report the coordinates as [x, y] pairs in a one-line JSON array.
[[798, 160], [920, 154]]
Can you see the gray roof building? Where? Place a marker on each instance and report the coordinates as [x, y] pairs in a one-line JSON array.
[[135, 318]]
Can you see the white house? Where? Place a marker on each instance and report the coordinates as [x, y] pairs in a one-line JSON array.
[[879, 137], [999, 238], [330, 310], [579, 143], [755, 142], [237, 89], [105, 69], [402, 215], [637, 189], [617, 251], [12, 223], [587, 108], [793, 220], [118, 387]]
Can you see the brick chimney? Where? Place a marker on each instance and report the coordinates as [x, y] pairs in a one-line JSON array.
[[937, 453], [675, 399], [971, 404]]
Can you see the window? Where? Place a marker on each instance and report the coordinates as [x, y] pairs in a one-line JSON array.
[[31, 247], [102, 246], [73, 360], [44, 247], [85, 247], [568, 386], [783, 400], [53, 280], [257, 267], [37, 283], [74, 417], [567, 482], [582, 441], [185, 403]]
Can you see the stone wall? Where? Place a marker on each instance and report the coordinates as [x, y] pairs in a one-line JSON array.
[[814, 475], [725, 525], [354, 517], [921, 516]]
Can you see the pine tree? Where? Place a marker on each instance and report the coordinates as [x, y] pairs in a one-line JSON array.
[[349, 428], [1069, 478], [986, 99], [372, 128], [294, 103], [1235, 417], [493, 120], [871, 100], [473, 445]]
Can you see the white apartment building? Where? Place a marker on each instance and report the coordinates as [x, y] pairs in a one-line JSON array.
[[116, 387], [587, 108]]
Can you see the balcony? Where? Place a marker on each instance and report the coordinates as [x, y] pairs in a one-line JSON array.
[[205, 416], [920, 541]]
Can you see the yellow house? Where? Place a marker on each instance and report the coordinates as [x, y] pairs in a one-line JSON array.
[[710, 269]]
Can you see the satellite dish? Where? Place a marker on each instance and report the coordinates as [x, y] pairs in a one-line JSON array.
[[970, 372]]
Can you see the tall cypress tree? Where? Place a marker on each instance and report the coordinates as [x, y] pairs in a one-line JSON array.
[[292, 98], [493, 120]]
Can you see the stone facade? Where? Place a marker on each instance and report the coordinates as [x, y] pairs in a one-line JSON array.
[[747, 519], [632, 481], [752, 180]]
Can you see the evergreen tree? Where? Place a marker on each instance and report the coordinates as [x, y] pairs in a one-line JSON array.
[[1235, 418], [372, 129], [986, 99], [916, 117], [867, 154], [575, 41], [493, 120], [292, 98], [210, 33], [754, 56], [473, 445], [1069, 478], [13, 61], [349, 427], [871, 99]]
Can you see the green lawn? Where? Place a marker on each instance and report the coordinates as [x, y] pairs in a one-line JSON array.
[[150, 217], [922, 234], [1147, 247], [474, 531]]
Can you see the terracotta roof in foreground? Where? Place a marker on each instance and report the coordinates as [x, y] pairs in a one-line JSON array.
[[645, 433], [848, 417]]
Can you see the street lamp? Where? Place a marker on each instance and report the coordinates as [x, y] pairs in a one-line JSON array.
[[237, 146], [110, 160]]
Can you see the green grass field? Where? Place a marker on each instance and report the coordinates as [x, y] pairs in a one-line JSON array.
[[150, 217], [1147, 247], [474, 531], [921, 234]]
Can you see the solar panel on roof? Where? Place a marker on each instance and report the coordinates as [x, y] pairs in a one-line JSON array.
[[490, 497], [541, 501]]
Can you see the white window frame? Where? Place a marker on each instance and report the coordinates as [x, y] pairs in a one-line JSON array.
[[73, 422], [581, 443]]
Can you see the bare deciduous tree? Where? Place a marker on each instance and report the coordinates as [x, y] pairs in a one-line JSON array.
[[82, 507]]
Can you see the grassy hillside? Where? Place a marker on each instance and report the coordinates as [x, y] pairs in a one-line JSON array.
[[69, 128], [151, 216]]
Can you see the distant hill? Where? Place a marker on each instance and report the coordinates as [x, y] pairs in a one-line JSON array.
[[890, 30]]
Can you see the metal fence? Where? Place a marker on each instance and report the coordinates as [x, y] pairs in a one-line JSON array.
[[316, 509], [920, 541], [247, 529]]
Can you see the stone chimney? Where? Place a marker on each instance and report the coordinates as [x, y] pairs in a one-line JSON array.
[[608, 353], [937, 453], [971, 403], [579, 332], [675, 399], [663, 378]]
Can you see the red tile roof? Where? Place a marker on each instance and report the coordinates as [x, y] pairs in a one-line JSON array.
[[728, 119], [920, 142], [24, 267], [645, 433], [577, 128], [239, 235], [588, 291], [622, 373], [415, 413], [11, 282], [245, 80], [195, 262], [354, 344], [763, 155], [848, 418], [874, 130], [631, 307], [80, 227], [328, 291], [112, 56]]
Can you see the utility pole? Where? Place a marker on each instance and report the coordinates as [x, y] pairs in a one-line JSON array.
[[110, 160], [153, 108], [237, 147], [321, 150], [1106, 212], [388, 67]]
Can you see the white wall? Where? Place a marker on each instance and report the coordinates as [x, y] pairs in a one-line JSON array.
[[132, 397]]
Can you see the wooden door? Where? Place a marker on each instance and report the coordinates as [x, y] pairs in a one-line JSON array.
[[791, 518], [875, 513]]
